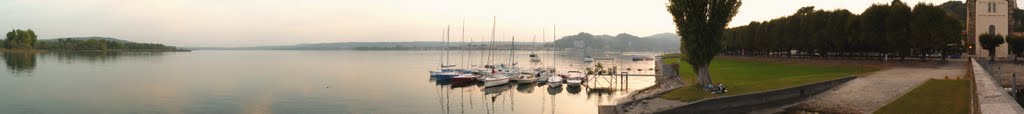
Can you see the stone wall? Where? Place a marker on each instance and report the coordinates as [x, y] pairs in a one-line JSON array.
[[992, 99], [747, 102]]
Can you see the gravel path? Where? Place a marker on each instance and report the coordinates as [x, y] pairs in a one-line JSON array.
[[872, 91]]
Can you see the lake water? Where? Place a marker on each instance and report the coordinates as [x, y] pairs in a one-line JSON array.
[[270, 81]]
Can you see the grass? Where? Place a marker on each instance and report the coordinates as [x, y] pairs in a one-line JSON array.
[[742, 77], [933, 97]]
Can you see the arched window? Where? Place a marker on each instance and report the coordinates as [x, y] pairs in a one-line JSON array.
[[991, 29]]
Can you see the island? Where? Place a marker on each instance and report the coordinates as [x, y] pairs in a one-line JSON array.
[[25, 41]]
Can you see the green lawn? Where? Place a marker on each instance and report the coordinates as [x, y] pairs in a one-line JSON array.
[[742, 77], [933, 97]]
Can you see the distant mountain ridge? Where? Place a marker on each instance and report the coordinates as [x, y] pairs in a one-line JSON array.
[[662, 41]]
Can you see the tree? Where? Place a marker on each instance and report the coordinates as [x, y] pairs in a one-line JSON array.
[[700, 24], [990, 41], [933, 30], [20, 39], [1016, 43], [897, 29]]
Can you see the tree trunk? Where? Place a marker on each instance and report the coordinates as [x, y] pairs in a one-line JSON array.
[[703, 75], [992, 55], [944, 55]]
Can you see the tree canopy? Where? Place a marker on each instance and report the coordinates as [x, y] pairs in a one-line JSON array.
[[20, 39], [882, 29], [700, 23], [990, 41]]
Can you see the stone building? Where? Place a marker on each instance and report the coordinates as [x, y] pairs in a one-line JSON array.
[[989, 16]]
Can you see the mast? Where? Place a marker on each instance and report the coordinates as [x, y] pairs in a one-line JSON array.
[[462, 53], [534, 44], [494, 25], [442, 56], [448, 36], [512, 52], [554, 37]]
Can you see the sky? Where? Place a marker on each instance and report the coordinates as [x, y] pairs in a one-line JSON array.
[[237, 23]]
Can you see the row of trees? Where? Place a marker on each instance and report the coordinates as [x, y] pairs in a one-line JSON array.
[[96, 44], [26, 39], [991, 41], [882, 29]]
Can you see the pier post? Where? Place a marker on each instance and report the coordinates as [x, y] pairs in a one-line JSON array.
[[1013, 87]]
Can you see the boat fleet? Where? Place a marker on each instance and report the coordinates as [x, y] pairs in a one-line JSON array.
[[496, 75], [501, 74]]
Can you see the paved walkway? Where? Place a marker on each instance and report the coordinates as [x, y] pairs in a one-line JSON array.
[[872, 91]]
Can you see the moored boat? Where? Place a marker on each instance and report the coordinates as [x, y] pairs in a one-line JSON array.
[[534, 57], [525, 78], [575, 78], [497, 79], [588, 59], [464, 78], [555, 81]]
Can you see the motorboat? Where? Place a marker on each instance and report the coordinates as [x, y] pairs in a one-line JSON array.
[[543, 74], [555, 81], [575, 78], [534, 57], [525, 78], [497, 79]]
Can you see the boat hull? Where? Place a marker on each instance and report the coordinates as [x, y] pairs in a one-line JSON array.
[[495, 82]]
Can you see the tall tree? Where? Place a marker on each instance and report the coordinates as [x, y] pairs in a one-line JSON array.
[[897, 29], [700, 24], [990, 41], [933, 30]]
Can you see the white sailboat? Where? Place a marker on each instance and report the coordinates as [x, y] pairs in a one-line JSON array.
[[445, 71], [496, 80]]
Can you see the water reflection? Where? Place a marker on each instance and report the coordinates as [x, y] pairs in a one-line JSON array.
[[24, 63], [20, 62], [99, 56]]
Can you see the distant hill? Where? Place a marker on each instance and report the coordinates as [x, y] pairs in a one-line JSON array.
[[620, 42]]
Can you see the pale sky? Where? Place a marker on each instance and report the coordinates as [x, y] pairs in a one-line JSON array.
[[233, 23]]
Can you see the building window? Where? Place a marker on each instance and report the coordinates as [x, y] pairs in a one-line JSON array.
[[994, 6], [991, 29], [991, 7]]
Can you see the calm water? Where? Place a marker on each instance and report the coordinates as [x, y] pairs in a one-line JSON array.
[[211, 81]]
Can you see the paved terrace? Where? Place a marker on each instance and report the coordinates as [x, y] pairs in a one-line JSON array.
[[872, 91]]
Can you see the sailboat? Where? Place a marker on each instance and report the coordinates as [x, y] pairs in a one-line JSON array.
[[496, 80], [445, 72], [494, 77], [533, 56]]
